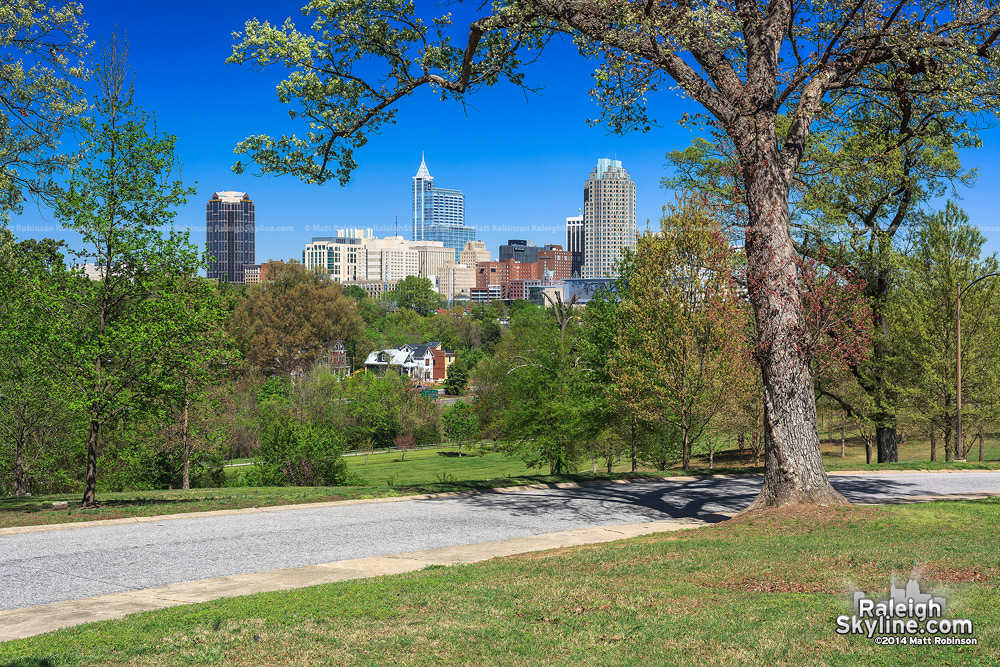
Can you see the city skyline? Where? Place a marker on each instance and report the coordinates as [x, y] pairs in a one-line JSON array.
[[540, 141]]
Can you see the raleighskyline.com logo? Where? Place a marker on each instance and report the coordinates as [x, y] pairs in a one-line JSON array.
[[907, 616]]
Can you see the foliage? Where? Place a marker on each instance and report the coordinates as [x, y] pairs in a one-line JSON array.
[[537, 395], [287, 323], [680, 325], [42, 53], [35, 416], [298, 454], [458, 378], [416, 294], [373, 406], [110, 338], [946, 254], [355, 292], [460, 423]]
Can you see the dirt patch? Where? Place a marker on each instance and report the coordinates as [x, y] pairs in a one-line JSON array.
[[958, 575], [805, 515], [769, 584]]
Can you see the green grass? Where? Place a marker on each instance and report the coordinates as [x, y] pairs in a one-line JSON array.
[[914, 455], [422, 471], [762, 590], [429, 466]]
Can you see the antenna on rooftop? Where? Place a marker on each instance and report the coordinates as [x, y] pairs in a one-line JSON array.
[[397, 226]]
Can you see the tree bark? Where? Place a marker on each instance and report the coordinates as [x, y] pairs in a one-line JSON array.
[[933, 444], [635, 451], [90, 486], [793, 462], [186, 481], [20, 483], [685, 449], [887, 444]]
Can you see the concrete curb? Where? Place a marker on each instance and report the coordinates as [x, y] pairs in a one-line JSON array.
[[929, 498], [20, 530], [21, 623]]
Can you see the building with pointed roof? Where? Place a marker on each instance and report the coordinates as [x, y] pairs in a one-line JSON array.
[[400, 361], [439, 213]]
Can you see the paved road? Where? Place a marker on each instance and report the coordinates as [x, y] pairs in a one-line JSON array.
[[43, 567]]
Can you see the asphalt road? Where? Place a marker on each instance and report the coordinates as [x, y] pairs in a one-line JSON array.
[[43, 567]]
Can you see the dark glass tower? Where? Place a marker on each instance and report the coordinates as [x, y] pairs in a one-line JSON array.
[[229, 221]]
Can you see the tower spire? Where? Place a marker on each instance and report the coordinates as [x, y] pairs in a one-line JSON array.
[[422, 172]]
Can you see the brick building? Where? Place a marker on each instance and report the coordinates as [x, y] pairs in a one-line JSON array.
[[560, 262], [500, 273]]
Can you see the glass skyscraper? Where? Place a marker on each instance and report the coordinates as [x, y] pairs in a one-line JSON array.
[[229, 224], [439, 213]]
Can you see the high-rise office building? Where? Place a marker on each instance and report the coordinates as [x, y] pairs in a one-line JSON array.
[[344, 257], [229, 223], [574, 243], [608, 218], [439, 213], [474, 252], [519, 250]]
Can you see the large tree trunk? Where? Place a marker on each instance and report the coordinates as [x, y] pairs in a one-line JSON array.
[[887, 445], [793, 463], [933, 444], [90, 486]]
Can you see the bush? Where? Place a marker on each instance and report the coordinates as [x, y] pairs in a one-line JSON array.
[[297, 454]]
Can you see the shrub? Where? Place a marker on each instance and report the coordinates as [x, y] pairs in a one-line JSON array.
[[297, 454]]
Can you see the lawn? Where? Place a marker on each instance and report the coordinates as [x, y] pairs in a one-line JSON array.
[[757, 590], [423, 471], [390, 474]]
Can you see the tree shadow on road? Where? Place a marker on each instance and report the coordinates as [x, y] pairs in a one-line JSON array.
[[706, 498]]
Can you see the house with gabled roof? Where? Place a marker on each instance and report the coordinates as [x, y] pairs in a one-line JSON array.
[[400, 361], [432, 360]]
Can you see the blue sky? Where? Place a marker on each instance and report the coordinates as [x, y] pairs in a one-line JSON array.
[[521, 159]]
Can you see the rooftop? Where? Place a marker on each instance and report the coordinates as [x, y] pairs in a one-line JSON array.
[[230, 196]]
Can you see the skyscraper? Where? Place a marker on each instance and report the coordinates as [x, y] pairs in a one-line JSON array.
[[439, 213], [574, 243], [229, 224], [608, 218]]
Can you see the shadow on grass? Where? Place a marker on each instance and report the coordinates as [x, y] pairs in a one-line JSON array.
[[30, 661], [24, 506]]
